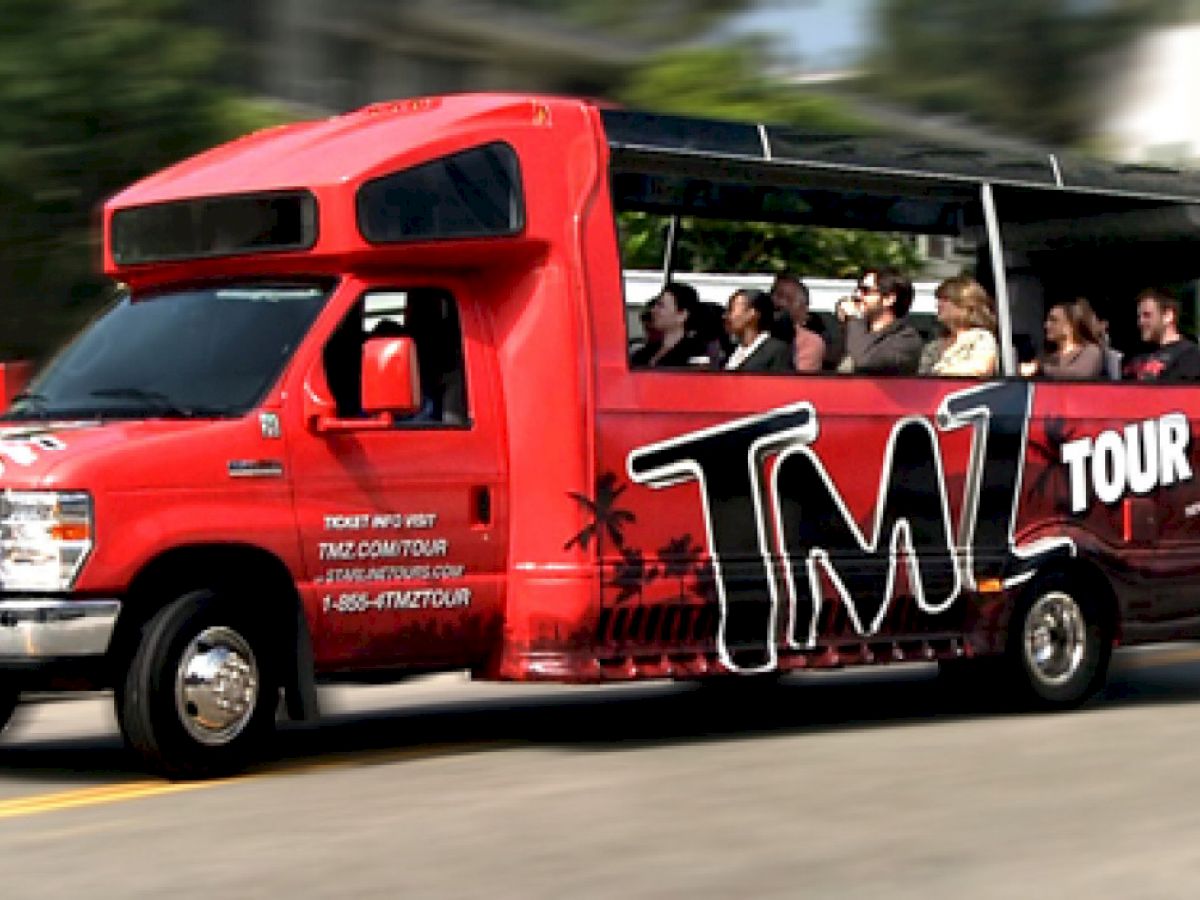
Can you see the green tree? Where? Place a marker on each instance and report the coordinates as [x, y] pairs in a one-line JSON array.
[[650, 22], [1025, 66], [729, 83], [93, 95], [707, 245]]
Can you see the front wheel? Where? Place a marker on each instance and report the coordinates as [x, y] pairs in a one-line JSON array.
[[1058, 651], [200, 693]]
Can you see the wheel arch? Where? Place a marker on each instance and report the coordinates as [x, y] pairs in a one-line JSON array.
[[249, 571], [1096, 588]]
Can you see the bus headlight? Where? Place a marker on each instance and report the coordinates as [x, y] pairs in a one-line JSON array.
[[45, 536]]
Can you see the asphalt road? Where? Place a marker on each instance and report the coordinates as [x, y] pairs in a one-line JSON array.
[[845, 785]]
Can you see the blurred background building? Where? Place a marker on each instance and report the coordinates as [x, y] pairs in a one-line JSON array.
[[1149, 106], [333, 55], [319, 56], [122, 88], [329, 55]]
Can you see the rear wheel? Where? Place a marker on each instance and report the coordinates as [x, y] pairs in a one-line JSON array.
[[1058, 648], [201, 691]]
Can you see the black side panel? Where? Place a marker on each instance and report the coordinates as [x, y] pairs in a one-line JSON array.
[[635, 129]]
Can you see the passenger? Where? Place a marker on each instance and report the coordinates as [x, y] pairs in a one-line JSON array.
[[1112, 356], [787, 292], [933, 350], [431, 319], [965, 309], [748, 319], [803, 332], [386, 328], [877, 334], [672, 319], [1173, 357], [711, 332], [650, 334], [1072, 327]]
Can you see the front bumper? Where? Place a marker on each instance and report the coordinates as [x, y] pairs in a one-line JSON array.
[[43, 628]]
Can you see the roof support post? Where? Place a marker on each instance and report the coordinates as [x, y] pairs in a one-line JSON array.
[[1008, 362], [669, 249]]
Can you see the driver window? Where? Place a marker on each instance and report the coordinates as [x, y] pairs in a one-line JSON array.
[[430, 317]]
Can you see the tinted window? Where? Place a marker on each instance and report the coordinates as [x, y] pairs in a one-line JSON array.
[[474, 193], [207, 352], [1062, 247], [430, 317], [728, 230], [214, 226]]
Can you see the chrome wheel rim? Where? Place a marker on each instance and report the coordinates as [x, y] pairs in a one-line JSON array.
[[216, 686], [1055, 638]]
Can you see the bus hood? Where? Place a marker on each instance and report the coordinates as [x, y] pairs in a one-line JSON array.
[[127, 454]]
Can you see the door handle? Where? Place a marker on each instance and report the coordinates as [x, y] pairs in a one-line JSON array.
[[481, 505]]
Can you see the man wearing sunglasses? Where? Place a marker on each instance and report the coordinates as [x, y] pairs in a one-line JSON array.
[[878, 336]]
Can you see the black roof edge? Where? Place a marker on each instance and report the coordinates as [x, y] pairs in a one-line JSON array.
[[765, 143]]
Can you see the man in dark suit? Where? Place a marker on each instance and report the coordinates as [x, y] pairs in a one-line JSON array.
[[748, 319]]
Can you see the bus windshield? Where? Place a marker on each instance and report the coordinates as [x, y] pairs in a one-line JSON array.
[[203, 352]]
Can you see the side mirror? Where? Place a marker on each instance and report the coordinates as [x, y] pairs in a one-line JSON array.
[[390, 386], [319, 405], [391, 381]]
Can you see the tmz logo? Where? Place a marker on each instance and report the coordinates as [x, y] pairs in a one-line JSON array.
[[1136, 460], [796, 514]]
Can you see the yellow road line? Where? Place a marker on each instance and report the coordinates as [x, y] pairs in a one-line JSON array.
[[95, 796], [136, 790]]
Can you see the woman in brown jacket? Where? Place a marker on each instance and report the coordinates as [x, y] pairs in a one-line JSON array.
[[1073, 330]]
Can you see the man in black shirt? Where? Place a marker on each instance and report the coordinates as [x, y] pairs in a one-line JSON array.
[[1172, 357]]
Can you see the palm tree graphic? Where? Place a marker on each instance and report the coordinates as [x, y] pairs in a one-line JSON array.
[[631, 575], [679, 556], [606, 518], [1050, 478], [704, 583]]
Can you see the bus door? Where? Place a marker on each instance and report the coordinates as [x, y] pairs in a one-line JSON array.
[[399, 526]]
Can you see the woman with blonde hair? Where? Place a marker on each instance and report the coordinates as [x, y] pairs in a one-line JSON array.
[[965, 310]]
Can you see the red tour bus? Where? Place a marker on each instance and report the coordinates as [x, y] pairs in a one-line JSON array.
[[366, 408]]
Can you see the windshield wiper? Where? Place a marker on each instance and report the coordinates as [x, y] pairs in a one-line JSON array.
[[32, 396], [35, 404], [162, 404]]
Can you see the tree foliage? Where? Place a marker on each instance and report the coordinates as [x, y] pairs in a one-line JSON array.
[[93, 95], [728, 82], [664, 20], [1025, 66], [706, 245]]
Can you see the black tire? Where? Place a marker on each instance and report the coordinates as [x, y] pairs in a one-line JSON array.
[[215, 722], [10, 697], [1058, 646]]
